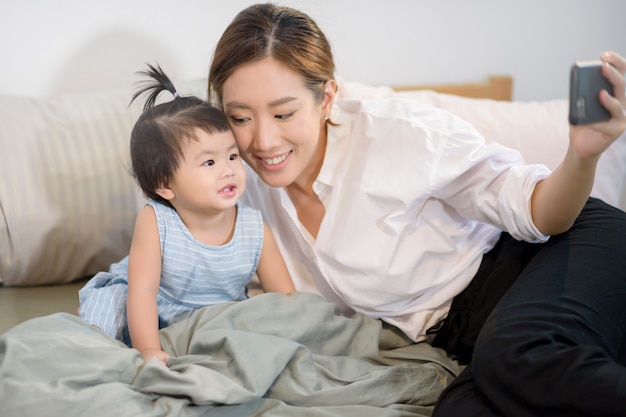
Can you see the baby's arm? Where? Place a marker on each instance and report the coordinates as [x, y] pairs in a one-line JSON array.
[[272, 271], [144, 278]]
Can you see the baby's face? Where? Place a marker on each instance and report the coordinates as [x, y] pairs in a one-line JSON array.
[[210, 175]]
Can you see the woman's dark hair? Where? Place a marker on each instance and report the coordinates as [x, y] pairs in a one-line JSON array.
[[282, 33], [156, 138]]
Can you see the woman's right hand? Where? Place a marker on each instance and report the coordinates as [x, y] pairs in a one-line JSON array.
[[589, 141], [558, 200]]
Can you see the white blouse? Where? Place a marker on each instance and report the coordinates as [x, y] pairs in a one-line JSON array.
[[413, 199]]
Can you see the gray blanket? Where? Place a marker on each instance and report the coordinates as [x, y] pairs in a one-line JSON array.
[[271, 355]]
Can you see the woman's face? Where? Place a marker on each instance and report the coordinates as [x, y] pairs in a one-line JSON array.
[[277, 123]]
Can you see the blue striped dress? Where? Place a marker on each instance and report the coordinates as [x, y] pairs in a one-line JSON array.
[[193, 274]]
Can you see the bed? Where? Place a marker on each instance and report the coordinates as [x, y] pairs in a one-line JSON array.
[[495, 87], [271, 355]]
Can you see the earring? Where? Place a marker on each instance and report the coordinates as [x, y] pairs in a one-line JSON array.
[[326, 118]]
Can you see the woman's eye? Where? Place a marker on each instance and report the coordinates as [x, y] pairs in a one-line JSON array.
[[239, 120], [233, 157], [284, 116], [209, 163]]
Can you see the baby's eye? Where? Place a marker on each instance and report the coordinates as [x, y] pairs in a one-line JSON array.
[[209, 163], [284, 116], [233, 157]]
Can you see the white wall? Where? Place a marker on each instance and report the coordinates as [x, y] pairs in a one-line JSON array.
[[51, 47]]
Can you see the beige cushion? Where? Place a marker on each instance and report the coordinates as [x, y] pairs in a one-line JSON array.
[[68, 201], [67, 198]]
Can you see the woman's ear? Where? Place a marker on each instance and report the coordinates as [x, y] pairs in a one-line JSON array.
[[330, 89], [165, 191]]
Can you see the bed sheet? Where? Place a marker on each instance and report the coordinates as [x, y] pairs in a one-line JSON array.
[[271, 355]]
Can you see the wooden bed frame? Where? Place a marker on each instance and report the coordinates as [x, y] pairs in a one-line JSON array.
[[497, 87]]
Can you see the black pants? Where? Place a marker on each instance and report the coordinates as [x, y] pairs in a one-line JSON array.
[[555, 343]]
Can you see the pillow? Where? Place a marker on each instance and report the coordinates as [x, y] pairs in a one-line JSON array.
[[68, 200], [539, 130]]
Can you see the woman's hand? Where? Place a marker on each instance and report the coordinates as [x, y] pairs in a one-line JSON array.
[[589, 141], [558, 200], [155, 353]]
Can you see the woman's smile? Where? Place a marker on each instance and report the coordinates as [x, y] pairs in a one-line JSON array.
[[275, 162]]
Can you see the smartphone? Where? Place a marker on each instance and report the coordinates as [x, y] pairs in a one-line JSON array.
[[586, 82]]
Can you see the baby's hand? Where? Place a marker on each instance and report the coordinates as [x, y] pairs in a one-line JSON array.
[[155, 353]]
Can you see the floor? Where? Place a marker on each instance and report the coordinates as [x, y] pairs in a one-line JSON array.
[[18, 304]]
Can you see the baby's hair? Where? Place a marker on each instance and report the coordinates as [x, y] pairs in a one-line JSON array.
[[156, 83], [156, 138]]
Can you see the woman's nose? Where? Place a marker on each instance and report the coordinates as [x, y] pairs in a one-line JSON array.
[[264, 134]]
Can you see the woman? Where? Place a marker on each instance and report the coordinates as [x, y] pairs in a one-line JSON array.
[[401, 212]]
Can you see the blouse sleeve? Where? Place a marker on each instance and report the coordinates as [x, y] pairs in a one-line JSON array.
[[488, 182]]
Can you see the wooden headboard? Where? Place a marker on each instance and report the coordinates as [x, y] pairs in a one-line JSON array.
[[497, 87]]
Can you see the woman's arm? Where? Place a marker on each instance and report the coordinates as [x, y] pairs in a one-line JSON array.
[[558, 200], [144, 278], [272, 271]]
